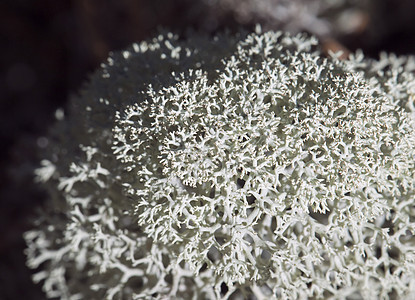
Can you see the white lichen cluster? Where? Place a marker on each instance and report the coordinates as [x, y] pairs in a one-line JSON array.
[[245, 167]]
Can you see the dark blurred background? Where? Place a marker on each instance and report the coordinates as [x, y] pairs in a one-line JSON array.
[[49, 47]]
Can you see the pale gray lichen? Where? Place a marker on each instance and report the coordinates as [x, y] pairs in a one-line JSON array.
[[242, 167]]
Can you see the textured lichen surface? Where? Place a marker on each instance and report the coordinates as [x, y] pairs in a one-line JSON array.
[[243, 167]]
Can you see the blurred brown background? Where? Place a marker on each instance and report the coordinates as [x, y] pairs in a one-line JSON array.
[[49, 47]]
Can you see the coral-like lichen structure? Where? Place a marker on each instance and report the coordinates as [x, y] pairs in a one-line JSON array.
[[243, 167]]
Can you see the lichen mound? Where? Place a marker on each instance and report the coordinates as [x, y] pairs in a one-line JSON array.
[[243, 167]]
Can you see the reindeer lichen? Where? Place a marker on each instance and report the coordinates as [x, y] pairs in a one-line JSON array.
[[242, 167]]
